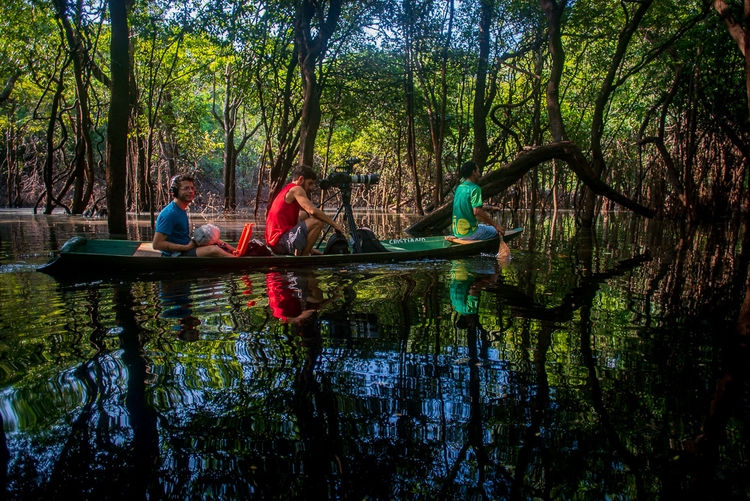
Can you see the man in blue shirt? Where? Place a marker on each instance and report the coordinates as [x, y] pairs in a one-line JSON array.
[[467, 211], [172, 234]]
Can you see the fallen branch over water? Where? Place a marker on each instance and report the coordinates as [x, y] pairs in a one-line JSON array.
[[500, 179]]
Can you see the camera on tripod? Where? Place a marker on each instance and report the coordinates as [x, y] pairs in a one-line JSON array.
[[343, 178]]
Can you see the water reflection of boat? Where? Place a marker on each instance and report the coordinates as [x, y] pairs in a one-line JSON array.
[[294, 298], [468, 280], [79, 255], [176, 303]]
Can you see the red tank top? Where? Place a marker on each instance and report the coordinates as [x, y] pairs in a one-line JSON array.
[[282, 216], [281, 297]]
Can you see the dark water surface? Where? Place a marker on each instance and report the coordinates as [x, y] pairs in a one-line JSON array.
[[595, 365]]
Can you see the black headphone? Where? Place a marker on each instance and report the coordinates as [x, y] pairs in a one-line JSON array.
[[174, 186]]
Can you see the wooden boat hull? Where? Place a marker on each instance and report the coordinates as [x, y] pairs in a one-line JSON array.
[[80, 255]]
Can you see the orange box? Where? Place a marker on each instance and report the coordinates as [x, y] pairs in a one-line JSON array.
[[247, 233]]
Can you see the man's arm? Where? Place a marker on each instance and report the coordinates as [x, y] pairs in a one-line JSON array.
[[485, 218], [309, 207], [160, 243]]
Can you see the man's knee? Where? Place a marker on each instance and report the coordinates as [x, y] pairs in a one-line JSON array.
[[314, 224]]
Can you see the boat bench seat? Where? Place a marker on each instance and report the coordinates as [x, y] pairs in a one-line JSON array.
[[146, 249]]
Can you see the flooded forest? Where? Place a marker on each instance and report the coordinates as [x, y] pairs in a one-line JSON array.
[[590, 106], [607, 359]]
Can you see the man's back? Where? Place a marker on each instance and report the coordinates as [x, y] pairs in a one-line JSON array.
[[468, 195], [281, 216]]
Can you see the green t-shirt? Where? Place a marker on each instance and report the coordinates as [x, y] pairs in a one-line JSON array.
[[460, 290], [468, 195]]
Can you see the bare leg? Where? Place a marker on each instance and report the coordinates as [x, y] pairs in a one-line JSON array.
[[314, 227], [212, 251]]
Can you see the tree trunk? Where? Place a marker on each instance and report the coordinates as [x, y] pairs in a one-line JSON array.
[[49, 163], [739, 35], [691, 195], [399, 170], [411, 141], [288, 140], [746, 52], [10, 163], [84, 161], [9, 84], [608, 86], [231, 151], [480, 109], [669, 163], [436, 109], [553, 12], [228, 123], [310, 50], [230, 173], [117, 128]]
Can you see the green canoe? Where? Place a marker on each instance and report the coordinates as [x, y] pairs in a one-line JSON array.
[[81, 255]]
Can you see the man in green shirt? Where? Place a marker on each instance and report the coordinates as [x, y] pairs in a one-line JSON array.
[[467, 211]]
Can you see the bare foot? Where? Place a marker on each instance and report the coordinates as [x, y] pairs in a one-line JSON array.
[[315, 252]]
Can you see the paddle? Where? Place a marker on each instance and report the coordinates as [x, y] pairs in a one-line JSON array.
[[503, 252]]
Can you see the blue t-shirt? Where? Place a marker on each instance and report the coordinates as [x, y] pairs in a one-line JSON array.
[[173, 222]]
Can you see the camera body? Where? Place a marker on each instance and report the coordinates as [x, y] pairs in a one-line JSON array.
[[343, 178]]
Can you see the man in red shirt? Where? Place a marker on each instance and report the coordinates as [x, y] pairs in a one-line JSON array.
[[294, 223]]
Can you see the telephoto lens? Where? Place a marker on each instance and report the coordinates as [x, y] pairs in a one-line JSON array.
[[365, 178]]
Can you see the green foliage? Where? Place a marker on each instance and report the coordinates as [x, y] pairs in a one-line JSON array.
[[181, 55]]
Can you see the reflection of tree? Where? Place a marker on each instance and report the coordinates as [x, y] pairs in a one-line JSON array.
[[701, 454], [697, 280], [585, 296], [699, 268], [475, 425], [634, 463], [296, 299], [145, 444], [523, 306], [317, 414], [465, 292], [581, 299], [79, 449], [4, 456], [90, 440], [532, 438], [562, 399]]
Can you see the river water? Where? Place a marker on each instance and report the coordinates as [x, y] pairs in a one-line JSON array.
[[594, 365]]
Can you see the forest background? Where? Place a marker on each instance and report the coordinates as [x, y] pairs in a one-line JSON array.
[[644, 102]]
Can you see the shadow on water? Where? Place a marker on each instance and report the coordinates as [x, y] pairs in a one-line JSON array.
[[595, 364]]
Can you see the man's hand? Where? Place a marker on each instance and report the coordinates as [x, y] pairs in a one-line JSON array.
[[486, 219], [225, 247], [160, 243]]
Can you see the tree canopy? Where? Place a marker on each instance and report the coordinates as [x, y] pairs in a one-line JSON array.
[[649, 98]]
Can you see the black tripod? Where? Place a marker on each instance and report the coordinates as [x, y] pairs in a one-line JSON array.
[[346, 206]]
